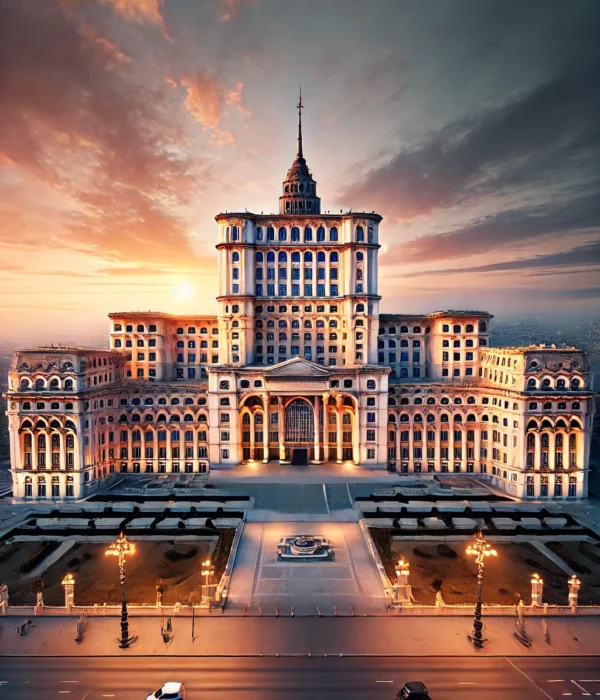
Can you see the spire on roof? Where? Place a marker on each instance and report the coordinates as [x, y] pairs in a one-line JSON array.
[[300, 108]]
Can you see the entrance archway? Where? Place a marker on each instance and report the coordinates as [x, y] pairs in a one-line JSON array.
[[299, 422]]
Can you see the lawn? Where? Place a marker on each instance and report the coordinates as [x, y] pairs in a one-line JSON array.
[[176, 567], [445, 567]]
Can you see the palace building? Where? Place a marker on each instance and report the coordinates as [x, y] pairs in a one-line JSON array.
[[300, 367]]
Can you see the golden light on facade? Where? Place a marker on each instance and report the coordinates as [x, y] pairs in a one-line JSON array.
[[535, 578], [68, 580]]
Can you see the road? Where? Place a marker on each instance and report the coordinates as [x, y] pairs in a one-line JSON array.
[[357, 678]]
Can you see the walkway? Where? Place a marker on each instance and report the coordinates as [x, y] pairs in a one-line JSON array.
[[261, 581]]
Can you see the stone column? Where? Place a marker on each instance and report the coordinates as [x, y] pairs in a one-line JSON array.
[[281, 429], [169, 459], [129, 448], [477, 448], [155, 459], [338, 428], [450, 446], [537, 590], [411, 444], [62, 452], [266, 428], [317, 416], [463, 446], [252, 437], [551, 451], [438, 445], [195, 461], [537, 459], [355, 436], [143, 447], [34, 451]]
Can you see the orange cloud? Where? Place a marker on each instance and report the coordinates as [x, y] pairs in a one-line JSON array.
[[139, 10], [206, 101], [230, 9]]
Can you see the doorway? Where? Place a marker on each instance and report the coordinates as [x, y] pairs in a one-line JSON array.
[[300, 457]]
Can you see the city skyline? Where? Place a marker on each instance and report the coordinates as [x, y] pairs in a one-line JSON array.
[[130, 124]]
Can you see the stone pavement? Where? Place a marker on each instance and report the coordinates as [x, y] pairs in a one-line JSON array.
[[235, 636], [350, 581]]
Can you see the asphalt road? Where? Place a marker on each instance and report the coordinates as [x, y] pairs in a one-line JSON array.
[[356, 678]]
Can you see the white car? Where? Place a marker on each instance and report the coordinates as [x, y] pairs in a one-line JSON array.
[[169, 691]]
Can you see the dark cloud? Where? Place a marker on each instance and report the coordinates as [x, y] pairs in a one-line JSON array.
[[549, 133], [500, 230], [584, 256]]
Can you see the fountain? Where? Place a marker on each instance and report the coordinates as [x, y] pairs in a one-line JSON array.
[[304, 548]]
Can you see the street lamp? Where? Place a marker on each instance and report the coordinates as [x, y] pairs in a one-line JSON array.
[[207, 571], [402, 570], [121, 548], [481, 549]]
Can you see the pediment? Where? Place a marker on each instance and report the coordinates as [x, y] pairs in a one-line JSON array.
[[297, 367]]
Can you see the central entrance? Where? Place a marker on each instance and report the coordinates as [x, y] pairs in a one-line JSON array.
[[300, 456], [299, 422]]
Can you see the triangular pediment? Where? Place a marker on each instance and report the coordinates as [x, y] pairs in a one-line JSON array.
[[297, 367]]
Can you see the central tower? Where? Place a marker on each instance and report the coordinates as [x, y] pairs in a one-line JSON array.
[[299, 187]]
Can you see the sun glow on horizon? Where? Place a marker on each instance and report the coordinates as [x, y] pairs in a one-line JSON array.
[[183, 291]]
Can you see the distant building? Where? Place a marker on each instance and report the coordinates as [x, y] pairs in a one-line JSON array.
[[300, 367]]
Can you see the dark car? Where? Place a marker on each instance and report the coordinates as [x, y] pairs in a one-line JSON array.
[[415, 690]]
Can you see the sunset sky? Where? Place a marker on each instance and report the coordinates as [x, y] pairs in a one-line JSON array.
[[472, 126]]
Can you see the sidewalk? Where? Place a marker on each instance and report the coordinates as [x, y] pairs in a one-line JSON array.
[[226, 636]]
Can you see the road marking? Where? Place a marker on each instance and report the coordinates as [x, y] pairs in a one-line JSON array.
[[559, 680], [528, 678], [325, 496], [585, 692], [467, 683], [384, 681], [68, 681]]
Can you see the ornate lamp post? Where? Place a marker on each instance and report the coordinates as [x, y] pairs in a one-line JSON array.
[[121, 548], [481, 549]]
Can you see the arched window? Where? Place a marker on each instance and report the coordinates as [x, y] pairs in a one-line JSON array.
[[282, 323], [54, 384], [271, 256], [360, 234], [39, 384], [282, 233], [469, 328], [444, 418], [320, 234], [418, 401], [575, 383], [431, 401], [235, 234], [235, 256], [458, 418], [404, 418], [321, 256], [546, 384], [403, 373], [458, 400], [456, 329], [404, 343], [270, 233], [282, 257], [296, 256], [333, 234], [371, 385], [471, 400], [360, 308], [259, 233], [418, 418], [360, 256], [333, 258], [531, 383], [308, 234], [560, 384], [431, 417], [444, 400], [471, 418], [576, 406], [295, 234], [392, 418]]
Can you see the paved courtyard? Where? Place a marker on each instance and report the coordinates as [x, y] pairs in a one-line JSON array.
[[350, 581]]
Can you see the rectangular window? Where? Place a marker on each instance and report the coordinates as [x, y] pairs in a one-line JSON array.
[[308, 290]]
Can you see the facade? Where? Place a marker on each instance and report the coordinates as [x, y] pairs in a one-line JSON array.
[[299, 366]]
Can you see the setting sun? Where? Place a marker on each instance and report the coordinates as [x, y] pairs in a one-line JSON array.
[[183, 291]]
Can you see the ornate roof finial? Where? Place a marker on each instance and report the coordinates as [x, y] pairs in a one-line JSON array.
[[300, 107]]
